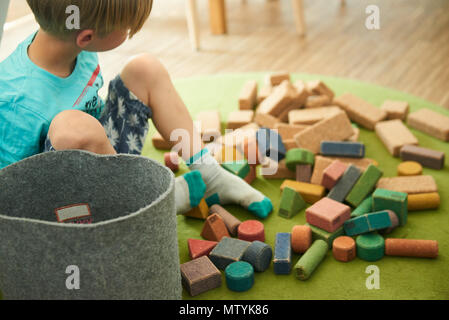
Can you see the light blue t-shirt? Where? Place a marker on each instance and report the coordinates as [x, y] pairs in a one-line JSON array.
[[31, 97]]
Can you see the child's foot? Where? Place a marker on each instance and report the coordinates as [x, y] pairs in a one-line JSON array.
[[189, 191], [225, 188]]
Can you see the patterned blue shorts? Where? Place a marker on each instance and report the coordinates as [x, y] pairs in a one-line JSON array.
[[124, 118]]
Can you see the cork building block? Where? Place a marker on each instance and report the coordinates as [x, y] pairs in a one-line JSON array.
[[328, 237], [320, 88], [266, 120], [279, 100], [264, 93], [409, 168], [344, 249], [396, 109], [248, 96], [311, 116], [276, 170], [333, 173], [311, 193], [291, 203], [427, 157], [345, 184], [270, 144], [298, 156], [277, 78], [410, 185], [360, 111], [251, 230], [411, 248], [259, 255], [238, 119], [239, 168], [391, 200], [171, 160], [199, 248], [282, 261], [394, 135], [288, 131], [423, 201], [227, 251], [370, 246], [328, 214], [210, 122], [304, 173], [231, 222], [321, 163], [160, 143], [200, 212], [367, 223], [343, 149], [317, 101], [301, 238], [310, 260], [430, 122], [200, 275], [364, 186], [214, 228]]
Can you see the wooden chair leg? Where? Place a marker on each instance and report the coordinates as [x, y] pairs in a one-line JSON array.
[[192, 23], [217, 10], [298, 10]]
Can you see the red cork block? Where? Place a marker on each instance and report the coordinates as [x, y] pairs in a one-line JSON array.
[[344, 249], [171, 160], [301, 238], [199, 248], [328, 214], [411, 248], [251, 230], [333, 173], [214, 228]]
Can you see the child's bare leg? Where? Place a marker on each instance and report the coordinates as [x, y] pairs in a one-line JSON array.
[[75, 129]]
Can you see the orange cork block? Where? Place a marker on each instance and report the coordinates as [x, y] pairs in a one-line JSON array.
[[394, 135], [310, 192], [409, 168], [411, 248], [283, 99], [311, 116], [248, 96], [200, 212], [317, 102], [430, 122], [288, 131], [277, 78], [238, 119], [320, 88], [423, 201], [251, 230], [214, 228], [344, 249], [301, 238], [264, 92], [266, 120], [395, 109]]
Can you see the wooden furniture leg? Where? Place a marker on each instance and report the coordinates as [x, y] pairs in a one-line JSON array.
[[298, 10], [192, 23], [217, 13]]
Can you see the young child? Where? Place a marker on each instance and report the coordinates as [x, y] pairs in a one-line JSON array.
[[49, 99]]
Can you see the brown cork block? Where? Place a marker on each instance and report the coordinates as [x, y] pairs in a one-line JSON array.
[[301, 86], [288, 131], [317, 102], [238, 119], [411, 248], [277, 78], [427, 157], [160, 143], [303, 173], [335, 128], [289, 144], [248, 96], [361, 164], [321, 163], [430, 122], [200, 212], [235, 138], [283, 99], [409, 185], [200, 275], [266, 120], [214, 228], [301, 238], [318, 87], [394, 135], [264, 92], [276, 170], [231, 222], [311, 116], [344, 249], [360, 111], [210, 122], [396, 109]]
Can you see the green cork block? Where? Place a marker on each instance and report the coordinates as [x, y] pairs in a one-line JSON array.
[[392, 200], [365, 207], [328, 237], [239, 276], [291, 203], [240, 168], [364, 185], [298, 156], [370, 246], [311, 259]]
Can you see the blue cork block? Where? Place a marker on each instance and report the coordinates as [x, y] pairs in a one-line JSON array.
[[367, 223], [227, 251], [365, 207], [259, 255], [282, 261], [345, 184], [270, 144], [239, 276], [343, 149], [392, 200]]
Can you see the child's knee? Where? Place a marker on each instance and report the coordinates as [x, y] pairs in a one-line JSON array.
[[75, 129]]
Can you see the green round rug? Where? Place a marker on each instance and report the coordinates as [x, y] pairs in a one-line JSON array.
[[399, 278]]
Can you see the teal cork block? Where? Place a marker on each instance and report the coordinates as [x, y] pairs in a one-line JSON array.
[[291, 203], [370, 246], [364, 185], [240, 168], [259, 255], [328, 237], [298, 156], [227, 251], [365, 207], [367, 223], [282, 261], [345, 184], [311, 259], [239, 276], [392, 200]]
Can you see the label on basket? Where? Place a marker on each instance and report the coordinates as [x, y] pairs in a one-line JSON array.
[[77, 213]]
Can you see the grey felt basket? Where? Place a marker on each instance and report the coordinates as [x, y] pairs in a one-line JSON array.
[[130, 249]]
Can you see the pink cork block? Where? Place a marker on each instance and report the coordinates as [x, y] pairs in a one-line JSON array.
[[171, 160], [332, 173], [328, 214]]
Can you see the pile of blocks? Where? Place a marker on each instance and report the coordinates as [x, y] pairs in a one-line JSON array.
[[302, 133]]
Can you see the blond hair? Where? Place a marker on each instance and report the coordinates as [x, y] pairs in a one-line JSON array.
[[103, 16]]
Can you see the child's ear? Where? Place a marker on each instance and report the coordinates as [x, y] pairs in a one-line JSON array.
[[84, 38]]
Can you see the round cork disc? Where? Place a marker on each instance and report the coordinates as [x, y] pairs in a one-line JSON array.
[[344, 249], [239, 276], [301, 238], [251, 230], [409, 168], [370, 247]]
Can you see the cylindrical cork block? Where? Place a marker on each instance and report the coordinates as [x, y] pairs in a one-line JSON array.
[[259, 255], [239, 276], [394, 222], [411, 248], [231, 222], [409, 168], [251, 230], [344, 249], [171, 160], [301, 238], [423, 201], [370, 247], [311, 259]]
